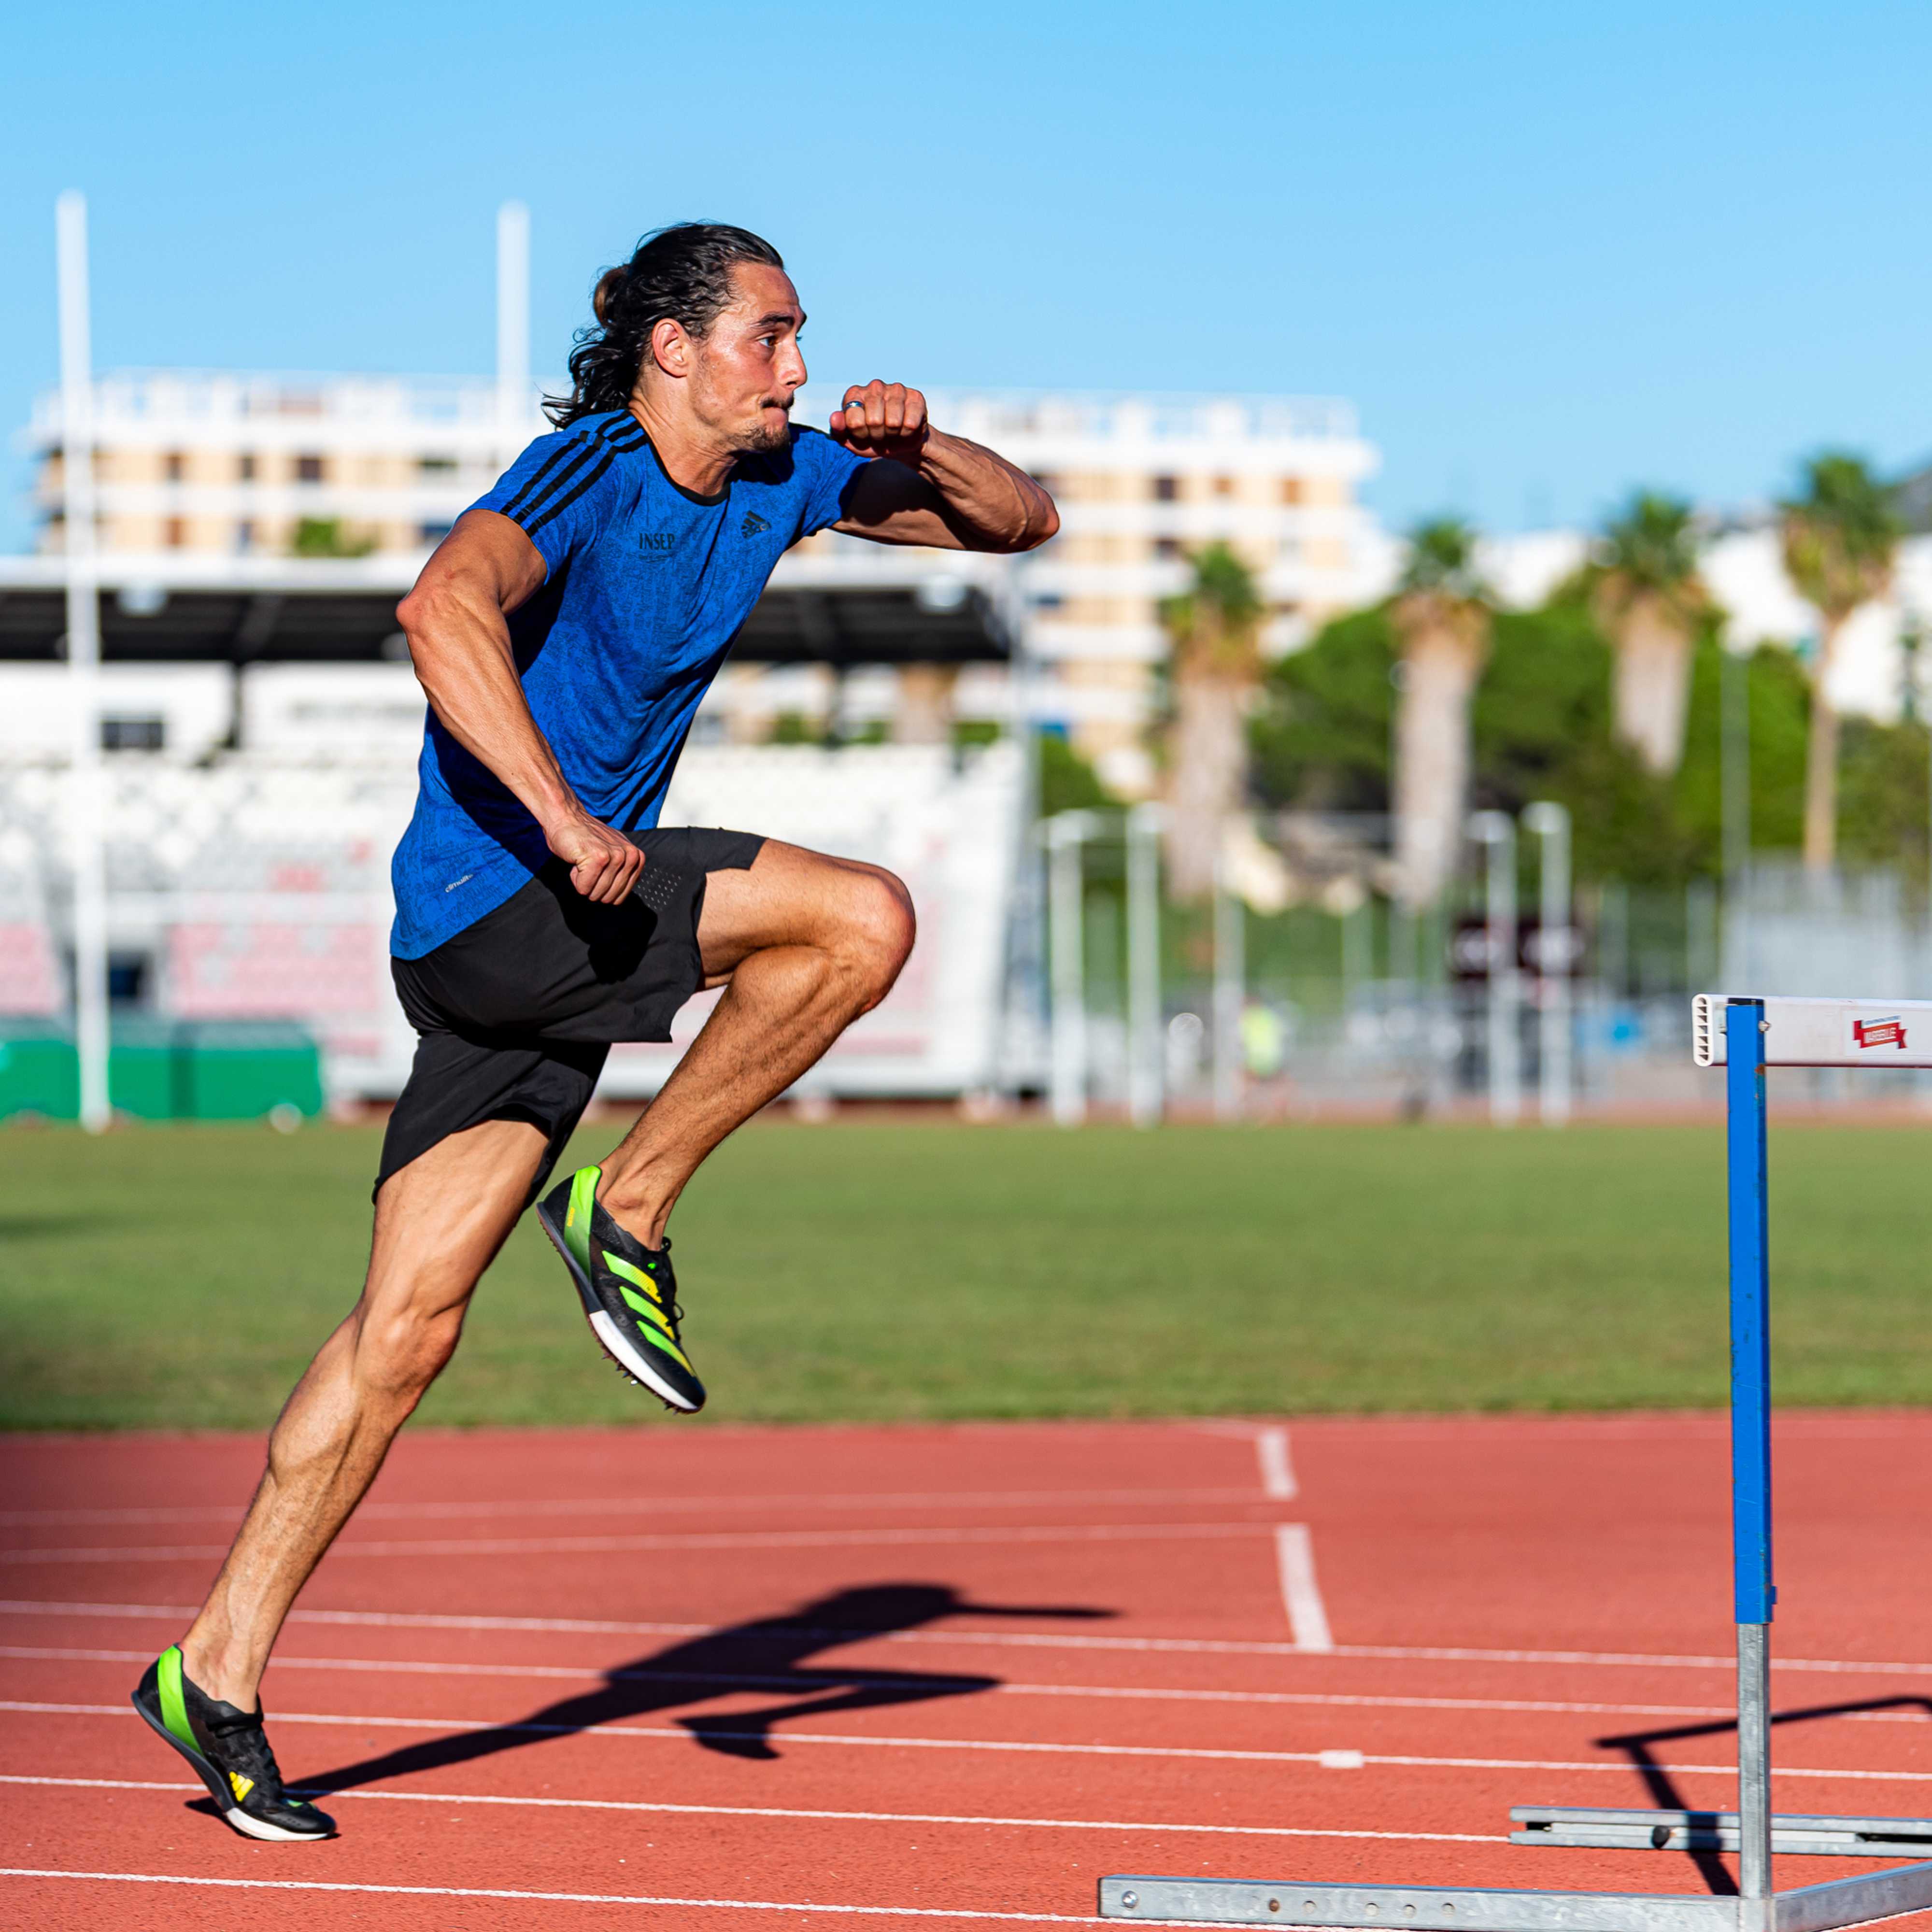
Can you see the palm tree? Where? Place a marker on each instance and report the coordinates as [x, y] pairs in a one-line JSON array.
[[1644, 586], [1215, 628], [1441, 619], [1840, 541]]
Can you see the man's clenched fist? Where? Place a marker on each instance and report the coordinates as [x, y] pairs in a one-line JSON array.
[[604, 864], [883, 419]]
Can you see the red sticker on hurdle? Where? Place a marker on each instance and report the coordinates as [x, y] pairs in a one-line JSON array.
[[1878, 1033]]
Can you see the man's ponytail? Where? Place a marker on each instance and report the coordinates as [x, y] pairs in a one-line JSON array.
[[682, 273]]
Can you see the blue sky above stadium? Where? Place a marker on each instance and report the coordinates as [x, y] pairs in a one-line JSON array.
[[1550, 253]]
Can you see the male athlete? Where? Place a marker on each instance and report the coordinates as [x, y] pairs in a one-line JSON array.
[[564, 633]]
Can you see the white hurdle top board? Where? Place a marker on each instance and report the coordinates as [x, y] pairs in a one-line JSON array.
[[1821, 1033]]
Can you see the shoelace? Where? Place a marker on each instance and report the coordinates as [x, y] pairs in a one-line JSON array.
[[676, 1307], [246, 1744]]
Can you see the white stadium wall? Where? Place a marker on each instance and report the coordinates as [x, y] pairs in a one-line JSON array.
[[256, 885], [948, 826]]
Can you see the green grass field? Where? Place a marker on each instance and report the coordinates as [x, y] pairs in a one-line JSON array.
[[179, 1277]]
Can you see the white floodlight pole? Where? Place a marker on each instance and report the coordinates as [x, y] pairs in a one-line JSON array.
[[1144, 1082], [1026, 995], [85, 804], [1496, 830], [1230, 989], [1066, 834], [1550, 822], [513, 326]]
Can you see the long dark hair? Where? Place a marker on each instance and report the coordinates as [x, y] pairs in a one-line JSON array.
[[680, 273]]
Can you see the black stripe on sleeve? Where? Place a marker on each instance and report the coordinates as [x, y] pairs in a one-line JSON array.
[[555, 473], [569, 497], [562, 465]]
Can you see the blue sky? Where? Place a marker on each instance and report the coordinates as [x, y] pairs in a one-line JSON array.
[[1550, 251]]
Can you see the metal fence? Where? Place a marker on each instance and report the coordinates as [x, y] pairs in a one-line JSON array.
[[1504, 1000]]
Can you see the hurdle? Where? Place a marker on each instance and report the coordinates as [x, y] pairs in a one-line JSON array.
[[1744, 1035]]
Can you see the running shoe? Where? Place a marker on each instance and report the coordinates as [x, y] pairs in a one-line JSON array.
[[628, 1290], [230, 1750]]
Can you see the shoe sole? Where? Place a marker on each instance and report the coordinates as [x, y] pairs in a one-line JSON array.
[[232, 1814], [610, 1338]]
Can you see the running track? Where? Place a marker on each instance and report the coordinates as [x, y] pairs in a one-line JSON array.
[[939, 1677]]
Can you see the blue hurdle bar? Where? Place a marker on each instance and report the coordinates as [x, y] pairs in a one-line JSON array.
[[1753, 1591]]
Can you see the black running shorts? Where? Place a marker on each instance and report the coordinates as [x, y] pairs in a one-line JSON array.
[[516, 1012]]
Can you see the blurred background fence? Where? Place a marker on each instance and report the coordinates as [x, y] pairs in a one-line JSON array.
[[1346, 1003]]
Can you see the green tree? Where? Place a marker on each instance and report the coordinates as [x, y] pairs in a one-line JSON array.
[[1778, 707], [1441, 617], [1643, 585], [326, 536], [1542, 725], [1067, 782], [1840, 539], [1320, 739], [1214, 633], [1883, 800]]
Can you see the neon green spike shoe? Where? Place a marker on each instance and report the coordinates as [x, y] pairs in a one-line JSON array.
[[230, 1751], [628, 1290]]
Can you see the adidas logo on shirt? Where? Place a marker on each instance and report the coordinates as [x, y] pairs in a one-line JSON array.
[[754, 525]]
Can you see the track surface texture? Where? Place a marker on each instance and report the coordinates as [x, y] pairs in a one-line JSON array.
[[909, 1677]]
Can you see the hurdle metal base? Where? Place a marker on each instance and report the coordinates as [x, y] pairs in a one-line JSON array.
[[1810, 1908], [1199, 1901], [1718, 1831]]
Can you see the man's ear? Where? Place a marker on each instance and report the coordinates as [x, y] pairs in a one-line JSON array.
[[670, 348]]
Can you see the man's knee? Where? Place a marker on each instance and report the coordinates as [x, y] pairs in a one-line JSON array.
[[876, 929], [400, 1350]]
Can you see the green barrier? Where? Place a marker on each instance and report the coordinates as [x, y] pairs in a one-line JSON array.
[[233, 1071], [163, 1070], [140, 1069], [38, 1074]]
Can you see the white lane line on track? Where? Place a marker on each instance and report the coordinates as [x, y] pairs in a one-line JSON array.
[[1300, 1595], [551, 1898], [1024, 1639], [776, 1811], [788, 1539], [658, 1506], [1277, 1471], [1028, 1746], [590, 1676]]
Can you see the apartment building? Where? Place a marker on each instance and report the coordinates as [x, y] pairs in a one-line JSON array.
[[281, 465], [202, 476], [1144, 481]]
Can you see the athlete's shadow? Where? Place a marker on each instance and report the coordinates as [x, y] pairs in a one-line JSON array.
[[767, 1655], [1639, 1746]]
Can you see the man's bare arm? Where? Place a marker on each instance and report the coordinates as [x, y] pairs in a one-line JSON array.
[[925, 486], [457, 621]]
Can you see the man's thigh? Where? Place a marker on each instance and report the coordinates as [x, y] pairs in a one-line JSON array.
[[790, 896], [440, 1219]]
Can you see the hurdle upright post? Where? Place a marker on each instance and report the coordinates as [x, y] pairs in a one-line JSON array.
[[1754, 1592]]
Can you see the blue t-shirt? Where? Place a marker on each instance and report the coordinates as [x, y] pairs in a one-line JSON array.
[[647, 585]]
